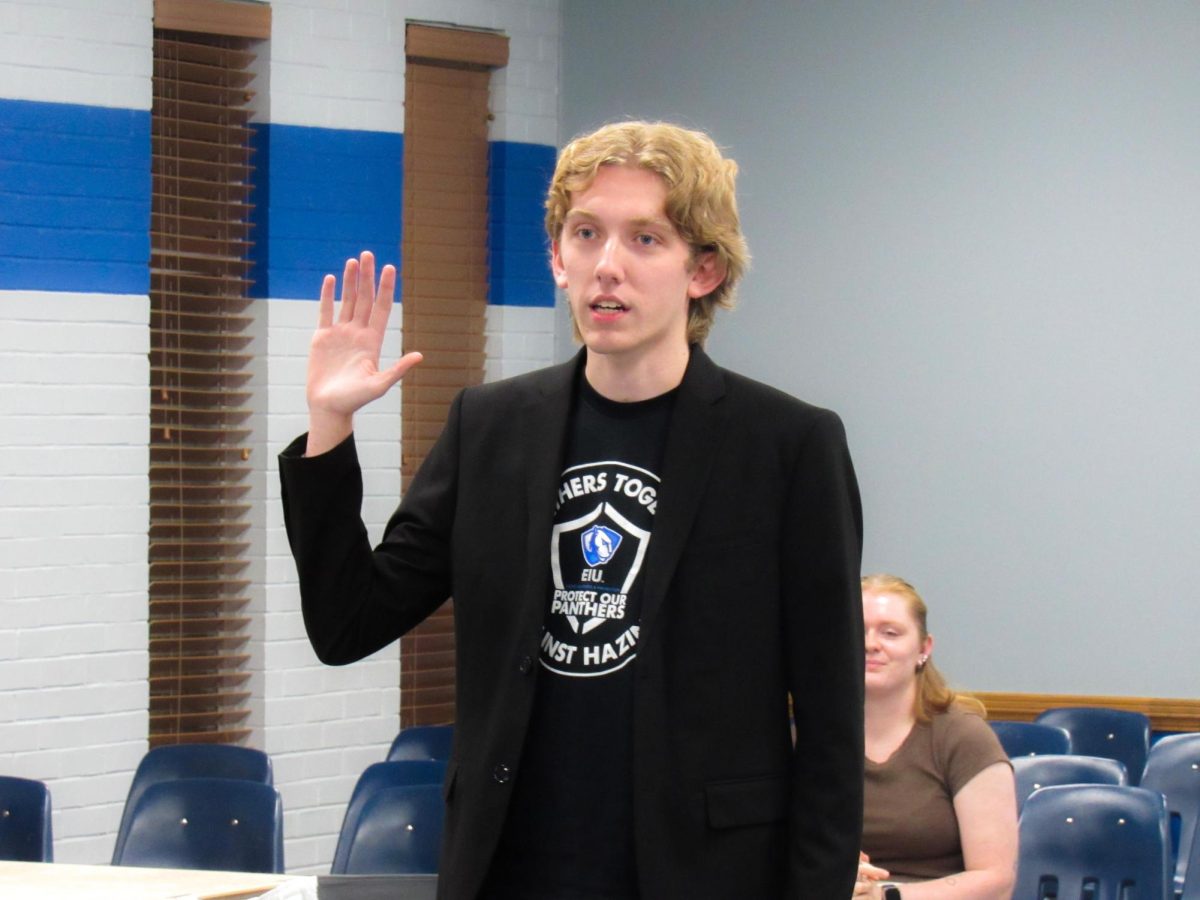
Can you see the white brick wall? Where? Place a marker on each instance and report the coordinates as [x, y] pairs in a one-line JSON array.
[[519, 340], [335, 68], [74, 421], [74, 415], [323, 724], [77, 51]]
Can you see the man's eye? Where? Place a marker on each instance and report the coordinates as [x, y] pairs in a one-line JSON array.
[[647, 240], [585, 233]]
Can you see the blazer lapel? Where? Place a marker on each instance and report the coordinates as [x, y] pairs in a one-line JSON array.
[[697, 428], [543, 428]]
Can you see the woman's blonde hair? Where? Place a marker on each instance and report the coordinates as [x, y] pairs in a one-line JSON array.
[[700, 203], [934, 695]]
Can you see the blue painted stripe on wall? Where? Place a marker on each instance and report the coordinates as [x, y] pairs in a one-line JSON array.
[[321, 196], [74, 198], [518, 251]]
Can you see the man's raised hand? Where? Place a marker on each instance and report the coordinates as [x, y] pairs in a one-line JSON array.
[[343, 358]]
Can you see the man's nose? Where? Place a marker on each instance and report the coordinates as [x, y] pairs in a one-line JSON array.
[[609, 265]]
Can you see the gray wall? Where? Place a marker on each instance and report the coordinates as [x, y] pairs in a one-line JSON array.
[[976, 231]]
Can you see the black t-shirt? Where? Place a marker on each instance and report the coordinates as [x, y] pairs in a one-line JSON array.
[[569, 833]]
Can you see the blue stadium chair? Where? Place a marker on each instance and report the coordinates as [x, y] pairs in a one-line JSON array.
[[1031, 738], [1095, 841], [1035, 772], [175, 761], [399, 832], [1098, 731], [225, 824], [1191, 885], [1173, 769], [25, 832], [375, 778], [422, 742]]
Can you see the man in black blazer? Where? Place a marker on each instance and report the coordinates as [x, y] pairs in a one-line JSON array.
[[651, 557]]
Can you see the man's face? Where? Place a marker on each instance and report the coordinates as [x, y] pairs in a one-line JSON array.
[[628, 274]]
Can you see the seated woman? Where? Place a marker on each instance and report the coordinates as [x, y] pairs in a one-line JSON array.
[[940, 814]]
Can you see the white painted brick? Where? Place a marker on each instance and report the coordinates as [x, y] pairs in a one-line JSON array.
[[32, 612], [53, 442], [78, 48]]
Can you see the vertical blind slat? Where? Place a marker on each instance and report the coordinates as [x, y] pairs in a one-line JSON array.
[[199, 419], [444, 279]]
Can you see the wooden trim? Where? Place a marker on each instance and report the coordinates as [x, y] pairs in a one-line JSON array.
[[456, 46], [1165, 714], [237, 18]]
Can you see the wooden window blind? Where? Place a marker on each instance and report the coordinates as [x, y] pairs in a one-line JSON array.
[[444, 284], [199, 371]]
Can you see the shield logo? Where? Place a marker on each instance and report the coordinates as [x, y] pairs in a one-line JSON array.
[[599, 544], [600, 533]]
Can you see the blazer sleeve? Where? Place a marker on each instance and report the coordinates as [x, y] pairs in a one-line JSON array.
[[822, 611], [355, 599]]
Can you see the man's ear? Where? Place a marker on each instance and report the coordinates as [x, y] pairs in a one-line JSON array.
[[707, 275], [556, 265]]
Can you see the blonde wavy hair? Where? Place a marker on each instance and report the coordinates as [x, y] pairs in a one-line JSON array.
[[934, 695], [700, 202]]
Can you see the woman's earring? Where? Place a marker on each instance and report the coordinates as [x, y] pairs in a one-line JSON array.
[[921, 661]]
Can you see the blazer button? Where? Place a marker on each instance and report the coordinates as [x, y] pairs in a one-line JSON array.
[[501, 774], [526, 665]]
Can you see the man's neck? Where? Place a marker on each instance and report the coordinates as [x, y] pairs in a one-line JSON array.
[[624, 380]]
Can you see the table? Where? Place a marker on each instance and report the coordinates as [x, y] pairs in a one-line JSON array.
[[49, 881], [40, 881]]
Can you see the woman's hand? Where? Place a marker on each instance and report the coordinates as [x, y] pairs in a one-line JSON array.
[[868, 877]]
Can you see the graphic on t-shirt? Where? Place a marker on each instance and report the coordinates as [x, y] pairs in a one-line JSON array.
[[597, 547]]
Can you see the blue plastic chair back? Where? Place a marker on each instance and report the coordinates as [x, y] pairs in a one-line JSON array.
[[25, 829], [422, 742], [1100, 842], [225, 824], [1173, 769], [1035, 772], [398, 833], [1191, 886], [1031, 738], [1098, 731], [175, 761], [375, 778]]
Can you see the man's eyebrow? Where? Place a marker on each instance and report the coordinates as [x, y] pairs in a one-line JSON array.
[[638, 222]]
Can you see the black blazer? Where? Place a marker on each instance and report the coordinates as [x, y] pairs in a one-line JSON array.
[[751, 596]]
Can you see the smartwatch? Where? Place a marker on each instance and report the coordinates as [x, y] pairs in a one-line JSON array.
[[890, 890]]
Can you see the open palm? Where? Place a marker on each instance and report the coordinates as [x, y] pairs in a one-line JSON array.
[[343, 359]]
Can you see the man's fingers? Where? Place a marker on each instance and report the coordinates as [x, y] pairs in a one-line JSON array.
[[384, 299], [325, 313], [366, 287], [349, 290], [401, 367]]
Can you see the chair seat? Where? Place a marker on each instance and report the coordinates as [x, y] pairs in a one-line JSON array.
[[375, 778], [206, 823], [175, 761], [1104, 842], [25, 825], [1035, 772], [1100, 731], [398, 832], [422, 742], [1173, 769], [1031, 738]]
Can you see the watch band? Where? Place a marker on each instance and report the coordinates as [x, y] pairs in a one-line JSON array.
[[891, 890]]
